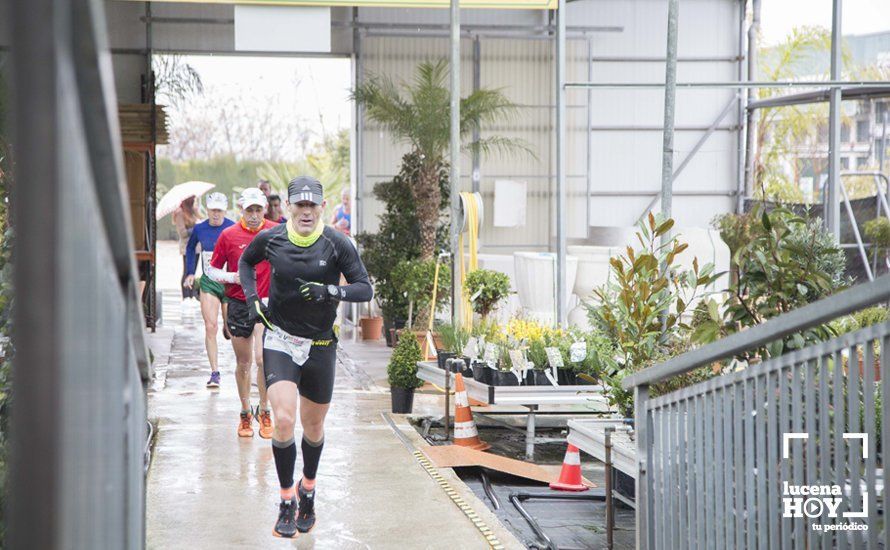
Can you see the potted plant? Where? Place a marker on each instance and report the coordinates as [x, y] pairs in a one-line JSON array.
[[537, 356], [486, 289], [487, 331], [481, 372], [503, 375], [371, 326], [397, 239], [642, 308], [416, 279], [417, 114], [402, 374], [454, 341]]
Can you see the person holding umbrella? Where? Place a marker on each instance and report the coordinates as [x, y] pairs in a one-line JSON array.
[[180, 201], [184, 219]]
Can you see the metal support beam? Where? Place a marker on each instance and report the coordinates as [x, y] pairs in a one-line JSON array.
[[750, 125], [804, 98], [35, 466], [670, 94], [884, 145], [689, 156], [561, 214], [359, 145], [778, 84], [743, 101], [589, 136], [455, 163], [832, 204], [477, 78]]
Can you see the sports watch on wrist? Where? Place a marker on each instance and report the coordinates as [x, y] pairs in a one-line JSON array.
[[334, 292]]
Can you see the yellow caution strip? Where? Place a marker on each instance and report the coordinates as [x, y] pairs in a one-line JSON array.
[[459, 501]]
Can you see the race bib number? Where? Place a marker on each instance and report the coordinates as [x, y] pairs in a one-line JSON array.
[[205, 260], [297, 348]]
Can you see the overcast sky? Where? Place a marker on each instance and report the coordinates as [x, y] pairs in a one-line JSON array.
[[314, 86], [778, 17]]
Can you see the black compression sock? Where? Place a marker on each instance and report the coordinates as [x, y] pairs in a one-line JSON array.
[[311, 456], [285, 453]]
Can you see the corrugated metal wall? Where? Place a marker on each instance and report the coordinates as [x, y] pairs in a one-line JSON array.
[[626, 124]]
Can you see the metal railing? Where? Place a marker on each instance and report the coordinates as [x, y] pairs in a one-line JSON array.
[[719, 460]]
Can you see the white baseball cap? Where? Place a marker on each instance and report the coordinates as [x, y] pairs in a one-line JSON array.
[[252, 196], [216, 201]]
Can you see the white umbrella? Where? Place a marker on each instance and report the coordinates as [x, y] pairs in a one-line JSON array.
[[172, 199]]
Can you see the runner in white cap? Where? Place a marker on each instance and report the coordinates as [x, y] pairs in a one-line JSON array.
[[205, 235]]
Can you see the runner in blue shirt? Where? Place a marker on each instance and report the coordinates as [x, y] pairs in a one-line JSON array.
[[212, 293]]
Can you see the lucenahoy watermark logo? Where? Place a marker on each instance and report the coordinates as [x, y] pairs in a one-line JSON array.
[[821, 501]]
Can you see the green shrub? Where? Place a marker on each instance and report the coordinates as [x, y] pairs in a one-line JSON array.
[[870, 316], [414, 279], [787, 262], [398, 237], [488, 329], [486, 289], [402, 369], [860, 319], [878, 232], [641, 309]]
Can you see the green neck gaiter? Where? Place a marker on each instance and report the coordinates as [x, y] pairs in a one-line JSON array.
[[301, 241]]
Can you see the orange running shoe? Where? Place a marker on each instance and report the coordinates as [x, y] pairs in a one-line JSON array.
[[264, 419], [244, 429]]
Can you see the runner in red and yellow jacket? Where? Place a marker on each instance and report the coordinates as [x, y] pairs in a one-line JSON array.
[[247, 336]]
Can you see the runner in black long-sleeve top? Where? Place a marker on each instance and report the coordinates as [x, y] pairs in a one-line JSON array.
[[299, 346]]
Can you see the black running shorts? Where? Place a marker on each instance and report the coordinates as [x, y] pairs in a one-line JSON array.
[[238, 319], [314, 377]]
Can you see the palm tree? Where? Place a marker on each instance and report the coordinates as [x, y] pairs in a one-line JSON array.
[[421, 118]]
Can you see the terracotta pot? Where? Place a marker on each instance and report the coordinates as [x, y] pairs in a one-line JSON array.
[[372, 328]]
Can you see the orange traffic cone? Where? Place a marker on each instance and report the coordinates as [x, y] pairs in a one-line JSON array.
[[465, 433], [570, 475]]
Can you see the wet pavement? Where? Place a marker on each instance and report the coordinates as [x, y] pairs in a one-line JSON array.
[[208, 488]]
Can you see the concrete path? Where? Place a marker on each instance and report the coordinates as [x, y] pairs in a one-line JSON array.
[[207, 488]]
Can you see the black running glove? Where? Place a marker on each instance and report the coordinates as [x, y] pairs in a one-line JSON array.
[[317, 292], [257, 312]]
